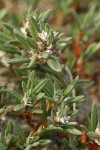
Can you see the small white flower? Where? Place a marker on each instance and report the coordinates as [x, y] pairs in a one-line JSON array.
[[23, 30], [64, 120], [32, 53], [49, 51], [57, 119], [97, 131], [50, 46], [67, 98], [98, 142], [26, 24], [43, 35], [61, 120], [40, 45], [55, 33]]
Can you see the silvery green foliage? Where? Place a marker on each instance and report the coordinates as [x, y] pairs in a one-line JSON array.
[[44, 91]]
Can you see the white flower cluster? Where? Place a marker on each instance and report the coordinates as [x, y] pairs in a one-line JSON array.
[[62, 120], [41, 47], [43, 35], [55, 33]]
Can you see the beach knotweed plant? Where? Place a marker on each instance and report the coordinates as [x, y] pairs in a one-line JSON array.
[[46, 95]]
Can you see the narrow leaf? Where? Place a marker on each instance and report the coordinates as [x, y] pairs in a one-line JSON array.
[[21, 38], [18, 60], [19, 132], [35, 110], [94, 117], [74, 131], [40, 86], [14, 94], [32, 62], [19, 107], [9, 49], [54, 64], [70, 86], [49, 131]]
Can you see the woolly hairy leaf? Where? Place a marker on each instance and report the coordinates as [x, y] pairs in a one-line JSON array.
[[14, 94], [70, 86], [40, 86], [21, 38], [19, 132], [54, 64], [94, 117]]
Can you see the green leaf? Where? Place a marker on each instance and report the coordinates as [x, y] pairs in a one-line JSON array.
[[54, 64], [28, 147], [32, 43], [91, 50], [21, 38], [45, 55], [14, 42], [24, 87], [92, 135], [40, 96], [9, 127], [40, 86], [9, 49], [43, 107], [34, 29], [32, 62], [94, 117], [18, 60], [19, 132], [44, 142], [32, 145], [77, 99], [74, 131], [9, 26], [35, 144], [70, 86], [49, 131], [19, 107], [72, 123], [84, 128], [46, 15], [72, 144], [2, 142], [35, 110], [14, 94], [31, 79]]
